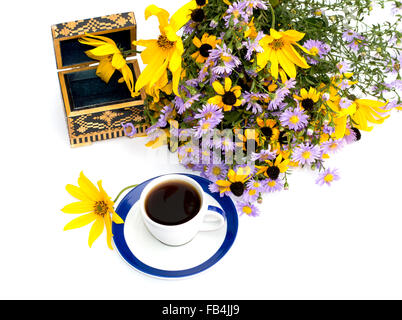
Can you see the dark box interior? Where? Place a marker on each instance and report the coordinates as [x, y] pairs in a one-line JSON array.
[[73, 53], [86, 90]]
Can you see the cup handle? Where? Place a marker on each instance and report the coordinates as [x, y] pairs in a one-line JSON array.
[[213, 219]]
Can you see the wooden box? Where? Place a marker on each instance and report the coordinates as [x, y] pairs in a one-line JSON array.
[[95, 110]]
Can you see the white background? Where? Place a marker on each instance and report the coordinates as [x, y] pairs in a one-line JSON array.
[[311, 242]]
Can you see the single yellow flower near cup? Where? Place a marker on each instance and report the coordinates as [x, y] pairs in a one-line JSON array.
[[95, 206]]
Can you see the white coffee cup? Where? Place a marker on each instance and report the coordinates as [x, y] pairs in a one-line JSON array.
[[207, 218]]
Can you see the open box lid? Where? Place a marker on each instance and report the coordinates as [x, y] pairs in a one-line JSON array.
[[121, 28]]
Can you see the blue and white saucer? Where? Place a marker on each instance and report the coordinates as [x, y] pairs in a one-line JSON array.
[[148, 255]]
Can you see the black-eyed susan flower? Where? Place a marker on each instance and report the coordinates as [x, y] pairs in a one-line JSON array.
[[268, 128], [279, 51], [308, 99], [205, 45], [235, 181], [227, 96], [95, 206], [274, 168]]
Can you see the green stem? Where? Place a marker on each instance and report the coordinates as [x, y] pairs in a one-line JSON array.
[[273, 16], [121, 192]]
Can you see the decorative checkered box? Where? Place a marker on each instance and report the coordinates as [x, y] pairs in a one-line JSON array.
[[95, 110]]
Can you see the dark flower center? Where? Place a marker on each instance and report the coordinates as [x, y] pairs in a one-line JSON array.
[[237, 188], [357, 133], [273, 172], [266, 131], [201, 2], [204, 50], [308, 104], [198, 15], [164, 43], [100, 208], [229, 98], [283, 139]]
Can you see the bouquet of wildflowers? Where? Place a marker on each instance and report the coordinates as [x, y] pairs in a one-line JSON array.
[[246, 91]]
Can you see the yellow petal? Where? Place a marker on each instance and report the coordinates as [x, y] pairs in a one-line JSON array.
[[79, 207], [218, 88], [88, 188], [163, 16], [182, 16], [286, 64], [96, 230], [228, 84], [76, 192], [274, 64], [109, 234], [197, 42], [81, 221]]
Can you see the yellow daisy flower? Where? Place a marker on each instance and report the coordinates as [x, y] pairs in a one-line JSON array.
[[165, 52], [368, 111], [95, 205], [279, 50], [205, 45], [110, 59], [227, 97], [235, 182], [308, 98]]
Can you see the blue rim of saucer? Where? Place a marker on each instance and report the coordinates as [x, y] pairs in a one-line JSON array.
[[124, 207]]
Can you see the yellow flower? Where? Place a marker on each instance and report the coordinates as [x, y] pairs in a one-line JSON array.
[[341, 114], [235, 182], [274, 168], [268, 129], [96, 205], [251, 31], [279, 50], [307, 99], [227, 97], [368, 111], [165, 52], [204, 45], [110, 58]]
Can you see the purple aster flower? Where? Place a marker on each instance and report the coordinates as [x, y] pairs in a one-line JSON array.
[[223, 60], [345, 103], [273, 185], [250, 195], [217, 171], [263, 155], [182, 106], [348, 35], [259, 185], [253, 45], [247, 208], [343, 66], [306, 154], [327, 177], [332, 146], [129, 129], [316, 48], [294, 119], [235, 13], [356, 43], [203, 127], [210, 112], [251, 100]]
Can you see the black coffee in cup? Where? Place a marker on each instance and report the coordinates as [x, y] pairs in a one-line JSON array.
[[172, 203]]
